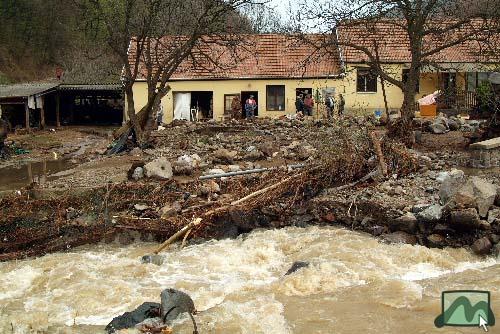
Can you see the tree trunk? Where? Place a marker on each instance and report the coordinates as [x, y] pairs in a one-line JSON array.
[[401, 129]]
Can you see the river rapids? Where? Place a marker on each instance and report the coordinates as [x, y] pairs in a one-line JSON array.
[[354, 284]]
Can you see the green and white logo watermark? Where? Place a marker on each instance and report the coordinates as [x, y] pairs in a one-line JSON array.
[[465, 308]]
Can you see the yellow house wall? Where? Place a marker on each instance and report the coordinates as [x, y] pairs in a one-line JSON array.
[[225, 87], [356, 102]]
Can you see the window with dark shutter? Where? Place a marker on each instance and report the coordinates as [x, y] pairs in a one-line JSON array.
[[275, 98], [366, 81]]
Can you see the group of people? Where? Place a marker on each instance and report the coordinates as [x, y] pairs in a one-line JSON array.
[[304, 105]]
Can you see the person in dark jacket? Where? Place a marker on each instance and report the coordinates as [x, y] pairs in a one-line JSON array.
[[299, 103]]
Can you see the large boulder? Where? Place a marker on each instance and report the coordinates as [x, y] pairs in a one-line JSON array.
[[131, 319], [159, 169], [438, 128], [450, 181], [468, 218], [475, 193], [174, 303], [482, 246], [405, 223]]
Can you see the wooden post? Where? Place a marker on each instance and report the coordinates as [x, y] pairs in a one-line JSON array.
[[58, 110], [27, 115], [42, 113]]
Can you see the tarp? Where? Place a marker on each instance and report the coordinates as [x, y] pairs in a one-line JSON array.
[[182, 106], [429, 99]]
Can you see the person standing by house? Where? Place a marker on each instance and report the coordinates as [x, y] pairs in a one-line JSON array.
[[330, 105], [341, 104], [299, 104], [308, 105], [250, 106], [236, 108]]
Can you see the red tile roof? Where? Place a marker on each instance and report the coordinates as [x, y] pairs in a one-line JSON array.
[[256, 56], [393, 43]]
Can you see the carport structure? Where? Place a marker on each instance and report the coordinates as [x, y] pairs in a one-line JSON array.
[[54, 103]]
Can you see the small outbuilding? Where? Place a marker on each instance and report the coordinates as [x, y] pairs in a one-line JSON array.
[[54, 104]]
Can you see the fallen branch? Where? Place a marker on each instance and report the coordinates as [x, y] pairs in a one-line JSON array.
[[380, 155], [261, 191], [179, 234]]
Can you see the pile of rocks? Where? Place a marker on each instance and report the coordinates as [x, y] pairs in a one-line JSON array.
[[466, 207], [155, 317]]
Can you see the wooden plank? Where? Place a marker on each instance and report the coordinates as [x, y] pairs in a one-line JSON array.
[[487, 144], [27, 114]]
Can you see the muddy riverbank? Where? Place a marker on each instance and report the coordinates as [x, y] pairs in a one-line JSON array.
[[101, 199]]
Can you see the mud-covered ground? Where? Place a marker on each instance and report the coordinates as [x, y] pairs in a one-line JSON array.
[[95, 198]]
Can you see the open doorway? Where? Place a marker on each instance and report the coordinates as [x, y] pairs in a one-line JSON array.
[[203, 102], [302, 92], [244, 97]]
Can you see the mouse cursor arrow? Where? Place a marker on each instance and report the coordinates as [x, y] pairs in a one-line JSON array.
[[483, 323]]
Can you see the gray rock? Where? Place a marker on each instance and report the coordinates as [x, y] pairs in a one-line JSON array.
[[468, 218], [453, 124], [419, 208], [482, 246], [159, 169], [485, 193], [450, 181], [131, 319], [154, 259], [418, 136], [174, 303], [399, 238], [296, 266], [138, 173], [405, 223], [432, 214], [494, 215], [475, 193], [438, 128]]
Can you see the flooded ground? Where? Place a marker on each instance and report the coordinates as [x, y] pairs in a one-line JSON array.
[[354, 285], [16, 177]]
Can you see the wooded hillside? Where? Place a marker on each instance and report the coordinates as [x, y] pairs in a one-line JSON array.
[[39, 36]]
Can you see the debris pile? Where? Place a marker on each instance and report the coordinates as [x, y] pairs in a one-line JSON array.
[[165, 193]]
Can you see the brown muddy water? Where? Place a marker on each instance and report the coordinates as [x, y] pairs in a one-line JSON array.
[[16, 177], [354, 285]]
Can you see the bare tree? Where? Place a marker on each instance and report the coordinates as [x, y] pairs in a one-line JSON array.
[[152, 38], [426, 27]]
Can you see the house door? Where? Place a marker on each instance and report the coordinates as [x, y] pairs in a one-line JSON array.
[[244, 97]]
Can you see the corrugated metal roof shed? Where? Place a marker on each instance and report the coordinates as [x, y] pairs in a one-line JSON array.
[[27, 89]]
